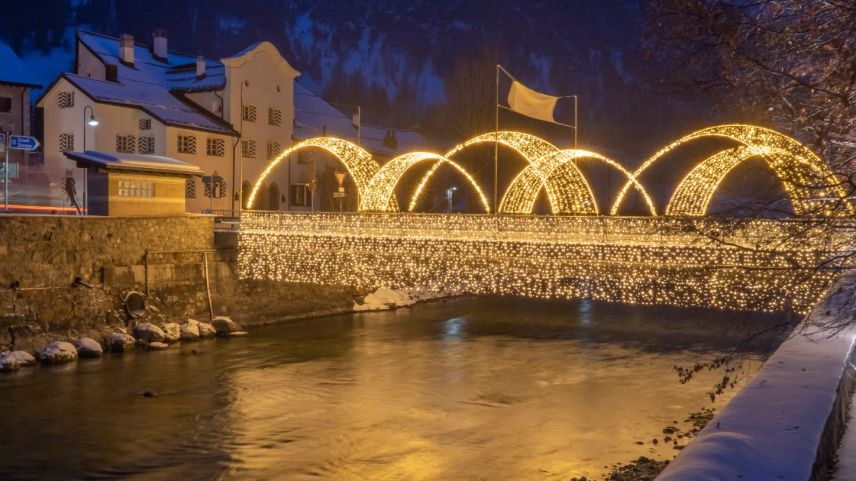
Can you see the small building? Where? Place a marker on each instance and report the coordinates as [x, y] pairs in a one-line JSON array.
[[133, 185]]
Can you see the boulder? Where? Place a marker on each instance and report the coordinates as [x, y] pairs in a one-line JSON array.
[[58, 352], [225, 325], [190, 330], [8, 363], [171, 332], [146, 331], [88, 347], [28, 336], [206, 330], [121, 342], [23, 358], [157, 346]]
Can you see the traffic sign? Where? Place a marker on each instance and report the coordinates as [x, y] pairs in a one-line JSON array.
[[23, 142], [2, 138]]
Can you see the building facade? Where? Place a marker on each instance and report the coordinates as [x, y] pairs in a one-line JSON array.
[[227, 116], [15, 84]]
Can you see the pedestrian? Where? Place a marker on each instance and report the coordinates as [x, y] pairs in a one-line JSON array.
[[71, 192]]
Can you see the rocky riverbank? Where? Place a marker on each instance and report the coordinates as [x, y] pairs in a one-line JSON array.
[[31, 345]]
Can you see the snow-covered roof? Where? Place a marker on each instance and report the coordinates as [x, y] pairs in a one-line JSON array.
[[153, 85], [13, 70], [177, 72], [152, 99], [133, 162], [315, 117]]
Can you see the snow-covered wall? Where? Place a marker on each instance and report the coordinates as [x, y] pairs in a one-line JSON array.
[[784, 425]]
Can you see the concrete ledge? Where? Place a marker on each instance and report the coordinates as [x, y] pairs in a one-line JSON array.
[[786, 423]]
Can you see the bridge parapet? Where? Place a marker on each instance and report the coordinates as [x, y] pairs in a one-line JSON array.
[[757, 264]]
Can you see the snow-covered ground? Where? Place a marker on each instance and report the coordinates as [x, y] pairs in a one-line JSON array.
[[384, 298], [773, 428]]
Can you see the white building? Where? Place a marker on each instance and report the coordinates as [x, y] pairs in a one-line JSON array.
[[228, 116]]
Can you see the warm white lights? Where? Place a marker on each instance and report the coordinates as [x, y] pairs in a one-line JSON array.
[[642, 260], [811, 185]]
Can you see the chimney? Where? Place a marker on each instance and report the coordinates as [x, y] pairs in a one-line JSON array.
[[126, 49], [200, 66], [159, 45]]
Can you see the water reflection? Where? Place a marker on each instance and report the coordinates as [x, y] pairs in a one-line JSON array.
[[468, 389]]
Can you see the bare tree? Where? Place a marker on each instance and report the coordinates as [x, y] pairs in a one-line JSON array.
[[788, 62]]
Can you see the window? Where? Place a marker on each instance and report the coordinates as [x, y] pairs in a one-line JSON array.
[[136, 188], [301, 196], [215, 147], [248, 149], [65, 100], [66, 142], [249, 113], [186, 144], [273, 149], [190, 188], [5, 104], [126, 143], [274, 116], [147, 145], [145, 124], [215, 184]]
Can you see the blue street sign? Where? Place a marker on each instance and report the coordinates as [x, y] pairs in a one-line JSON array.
[[23, 142], [2, 138]]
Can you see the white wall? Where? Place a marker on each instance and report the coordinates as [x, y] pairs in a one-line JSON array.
[[264, 79]]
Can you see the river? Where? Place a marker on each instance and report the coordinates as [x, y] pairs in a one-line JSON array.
[[467, 389]]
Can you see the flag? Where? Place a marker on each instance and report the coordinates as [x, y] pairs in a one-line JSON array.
[[526, 101]]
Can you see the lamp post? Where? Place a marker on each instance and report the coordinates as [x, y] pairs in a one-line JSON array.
[[449, 192], [92, 122]]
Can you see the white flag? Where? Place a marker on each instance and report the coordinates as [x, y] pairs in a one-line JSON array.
[[526, 101]]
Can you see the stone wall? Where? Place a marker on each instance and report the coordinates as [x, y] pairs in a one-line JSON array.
[[114, 255]]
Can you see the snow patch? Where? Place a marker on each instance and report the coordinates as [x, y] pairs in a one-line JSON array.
[[385, 298]]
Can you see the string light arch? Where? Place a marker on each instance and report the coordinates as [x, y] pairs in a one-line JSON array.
[[360, 164], [807, 180], [379, 195]]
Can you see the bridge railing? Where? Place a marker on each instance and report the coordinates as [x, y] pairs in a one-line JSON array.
[[763, 234]]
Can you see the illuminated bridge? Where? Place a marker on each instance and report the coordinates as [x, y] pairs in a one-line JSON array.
[[680, 257]]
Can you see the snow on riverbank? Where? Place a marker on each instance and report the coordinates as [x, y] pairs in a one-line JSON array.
[[384, 298], [774, 428]]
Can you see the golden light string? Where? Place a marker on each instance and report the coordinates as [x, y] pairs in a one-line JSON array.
[[642, 260]]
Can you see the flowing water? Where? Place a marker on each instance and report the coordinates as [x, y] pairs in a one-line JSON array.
[[468, 389]]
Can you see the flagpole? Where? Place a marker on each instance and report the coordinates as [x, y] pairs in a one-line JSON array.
[[496, 146], [576, 123]]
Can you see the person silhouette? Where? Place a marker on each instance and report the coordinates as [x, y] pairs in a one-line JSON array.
[[71, 192]]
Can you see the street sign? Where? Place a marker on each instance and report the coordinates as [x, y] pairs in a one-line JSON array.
[[23, 142], [2, 138]]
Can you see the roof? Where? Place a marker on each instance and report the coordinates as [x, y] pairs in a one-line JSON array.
[[14, 71], [177, 73], [315, 117], [158, 102], [133, 162], [153, 85]]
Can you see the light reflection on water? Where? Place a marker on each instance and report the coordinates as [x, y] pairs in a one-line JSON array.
[[469, 389]]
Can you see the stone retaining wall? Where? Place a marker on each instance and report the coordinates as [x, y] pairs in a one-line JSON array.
[[43, 255]]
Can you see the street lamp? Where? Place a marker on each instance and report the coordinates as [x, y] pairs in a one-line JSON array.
[[92, 122], [449, 192]]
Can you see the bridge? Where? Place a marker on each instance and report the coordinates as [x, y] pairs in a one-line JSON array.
[[677, 257]]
